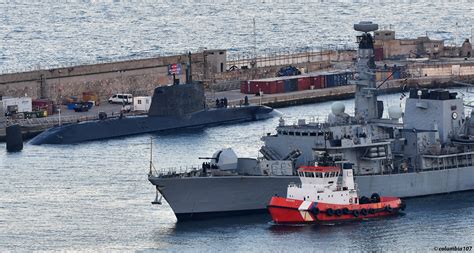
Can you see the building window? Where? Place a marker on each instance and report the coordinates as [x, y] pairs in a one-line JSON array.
[[139, 101]]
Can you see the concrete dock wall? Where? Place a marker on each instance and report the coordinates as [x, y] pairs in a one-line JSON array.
[[138, 77], [442, 69]]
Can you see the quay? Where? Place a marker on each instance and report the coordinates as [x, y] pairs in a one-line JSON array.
[[343, 92]]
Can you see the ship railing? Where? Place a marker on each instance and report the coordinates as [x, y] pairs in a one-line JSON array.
[[186, 171]]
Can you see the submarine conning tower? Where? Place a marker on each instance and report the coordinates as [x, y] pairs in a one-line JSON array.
[[366, 106], [177, 100]]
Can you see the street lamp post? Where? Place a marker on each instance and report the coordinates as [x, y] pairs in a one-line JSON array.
[[59, 97]]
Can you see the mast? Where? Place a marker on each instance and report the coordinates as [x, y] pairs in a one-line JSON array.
[[151, 157], [366, 90]]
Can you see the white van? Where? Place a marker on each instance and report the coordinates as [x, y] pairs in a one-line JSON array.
[[121, 98]]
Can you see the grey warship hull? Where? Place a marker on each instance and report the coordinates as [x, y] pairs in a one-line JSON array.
[[110, 128], [207, 197]]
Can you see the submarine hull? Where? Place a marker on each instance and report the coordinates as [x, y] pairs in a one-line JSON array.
[[110, 128]]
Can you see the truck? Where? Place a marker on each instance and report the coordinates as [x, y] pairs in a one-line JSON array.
[[16, 105]]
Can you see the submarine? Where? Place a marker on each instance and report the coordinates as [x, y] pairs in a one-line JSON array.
[[172, 107]]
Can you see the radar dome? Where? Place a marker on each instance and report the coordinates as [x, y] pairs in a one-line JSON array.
[[366, 26], [394, 112], [338, 108]]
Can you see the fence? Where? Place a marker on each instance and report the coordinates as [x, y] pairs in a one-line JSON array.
[[277, 58]]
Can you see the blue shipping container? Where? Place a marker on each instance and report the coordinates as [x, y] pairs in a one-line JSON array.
[[294, 84], [330, 82], [396, 74], [287, 85], [291, 85]]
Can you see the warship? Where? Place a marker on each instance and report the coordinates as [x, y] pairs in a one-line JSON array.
[[172, 107], [427, 149]]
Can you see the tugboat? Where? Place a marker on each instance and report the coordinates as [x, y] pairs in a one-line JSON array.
[[328, 194]]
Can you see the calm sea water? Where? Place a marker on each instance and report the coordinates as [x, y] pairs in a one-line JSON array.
[[95, 196], [39, 34]]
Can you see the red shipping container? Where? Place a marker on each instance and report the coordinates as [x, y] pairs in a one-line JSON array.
[[317, 82], [323, 82], [280, 86], [304, 83], [43, 104], [378, 54], [257, 86], [267, 88], [272, 89]]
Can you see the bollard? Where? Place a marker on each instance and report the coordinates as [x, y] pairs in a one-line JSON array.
[[14, 138]]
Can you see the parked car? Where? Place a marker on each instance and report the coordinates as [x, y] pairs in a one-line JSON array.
[[81, 107], [121, 98], [288, 71]]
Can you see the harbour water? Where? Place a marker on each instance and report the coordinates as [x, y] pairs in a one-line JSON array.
[[42, 34], [95, 196]]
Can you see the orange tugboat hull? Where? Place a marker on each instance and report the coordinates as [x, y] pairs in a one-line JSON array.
[[293, 211]]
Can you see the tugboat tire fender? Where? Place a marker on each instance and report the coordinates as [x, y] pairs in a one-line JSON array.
[[371, 211], [388, 209], [356, 213], [330, 211], [315, 210], [364, 211], [338, 212], [346, 210]]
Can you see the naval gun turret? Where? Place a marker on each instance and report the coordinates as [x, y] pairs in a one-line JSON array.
[[366, 106]]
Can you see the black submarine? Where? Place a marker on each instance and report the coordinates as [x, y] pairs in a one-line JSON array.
[[172, 107]]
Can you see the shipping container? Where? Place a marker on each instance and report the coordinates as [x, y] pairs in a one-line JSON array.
[[397, 74], [315, 82], [257, 86], [304, 83], [294, 84], [378, 54], [330, 82], [323, 82], [90, 96], [16, 105], [272, 87], [287, 85], [381, 76], [280, 86], [43, 104], [378, 76], [291, 85]]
